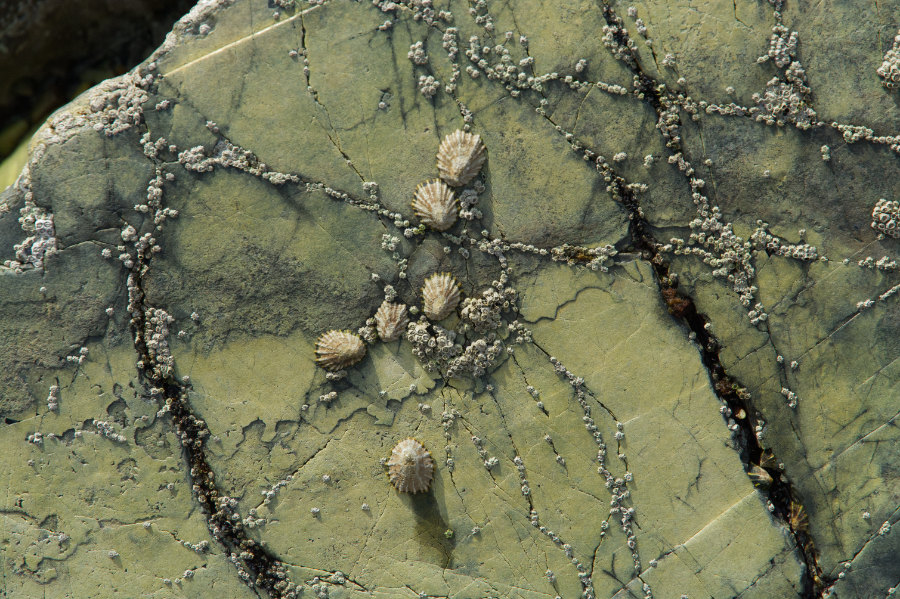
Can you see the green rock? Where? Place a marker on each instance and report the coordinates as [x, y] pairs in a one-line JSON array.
[[248, 188]]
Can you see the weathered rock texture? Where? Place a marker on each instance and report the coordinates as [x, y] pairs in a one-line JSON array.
[[674, 372]]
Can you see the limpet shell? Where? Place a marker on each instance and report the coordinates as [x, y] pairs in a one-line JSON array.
[[410, 467], [440, 296], [435, 204], [460, 157], [335, 350], [391, 320]]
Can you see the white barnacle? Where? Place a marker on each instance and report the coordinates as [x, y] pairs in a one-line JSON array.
[[411, 467], [435, 204], [440, 295], [335, 350], [460, 157]]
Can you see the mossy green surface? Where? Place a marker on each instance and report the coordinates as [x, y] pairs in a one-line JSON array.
[[253, 272]]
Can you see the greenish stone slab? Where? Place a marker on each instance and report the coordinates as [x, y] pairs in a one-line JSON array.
[[264, 132]]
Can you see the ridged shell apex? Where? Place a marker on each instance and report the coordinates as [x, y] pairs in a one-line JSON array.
[[460, 157], [440, 296], [391, 320], [410, 467], [435, 204], [335, 350]]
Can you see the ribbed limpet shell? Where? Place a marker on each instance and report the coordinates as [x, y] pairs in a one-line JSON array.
[[440, 296], [336, 350], [410, 467], [435, 204], [391, 320], [460, 157]]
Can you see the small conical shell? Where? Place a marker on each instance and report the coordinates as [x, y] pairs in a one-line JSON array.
[[460, 157], [435, 205], [391, 320], [411, 467], [440, 296], [335, 350]]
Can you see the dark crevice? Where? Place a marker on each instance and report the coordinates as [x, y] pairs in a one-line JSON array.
[[784, 500], [256, 565], [260, 567]]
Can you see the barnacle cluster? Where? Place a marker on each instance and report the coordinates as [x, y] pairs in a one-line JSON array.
[[593, 258], [437, 347], [155, 336], [477, 357], [432, 344], [41, 241], [782, 46], [886, 217], [889, 70], [786, 101], [483, 314]]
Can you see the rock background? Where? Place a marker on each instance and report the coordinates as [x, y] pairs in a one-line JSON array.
[[212, 212], [50, 50]]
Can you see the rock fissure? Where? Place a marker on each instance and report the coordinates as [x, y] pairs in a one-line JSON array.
[[783, 498]]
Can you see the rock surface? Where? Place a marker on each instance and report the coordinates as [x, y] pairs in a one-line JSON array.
[[674, 371]]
